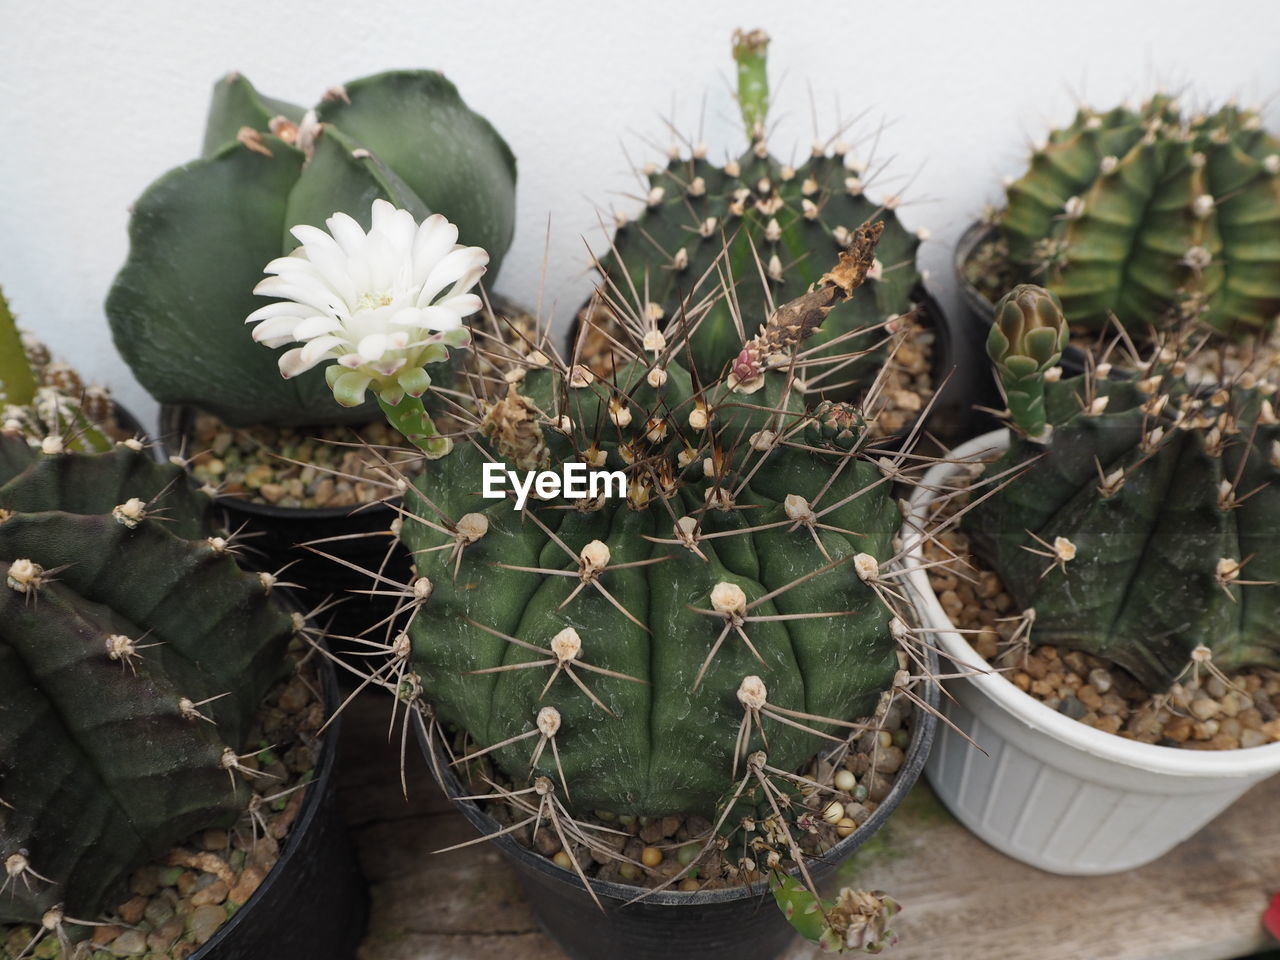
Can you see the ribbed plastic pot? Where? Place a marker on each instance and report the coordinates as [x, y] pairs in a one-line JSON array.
[[314, 902], [1046, 789], [736, 923], [977, 311], [274, 533]]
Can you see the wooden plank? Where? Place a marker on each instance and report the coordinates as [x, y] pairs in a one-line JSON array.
[[961, 898]]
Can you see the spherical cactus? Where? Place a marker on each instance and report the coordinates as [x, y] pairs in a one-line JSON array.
[[628, 647], [771, 226], [1142, 528], [1153, 216], [134, 654], [199, 236]]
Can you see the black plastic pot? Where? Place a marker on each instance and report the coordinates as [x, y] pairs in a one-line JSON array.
[[955, 363], [273, 535], [314, 903], [977, 313], [737, 923]]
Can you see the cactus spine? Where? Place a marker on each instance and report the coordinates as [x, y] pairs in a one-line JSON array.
[[1152, 507]]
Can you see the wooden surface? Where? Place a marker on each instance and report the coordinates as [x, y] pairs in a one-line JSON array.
[[962, 900]]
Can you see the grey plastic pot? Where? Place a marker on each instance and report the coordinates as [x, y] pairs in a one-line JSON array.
[[736, 923]]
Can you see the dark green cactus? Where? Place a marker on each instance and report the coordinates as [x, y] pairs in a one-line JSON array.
[[1028, 335], [794, 219], [200, 235], [134, 653], [1143, 528], [739, 505], [1154, 216]]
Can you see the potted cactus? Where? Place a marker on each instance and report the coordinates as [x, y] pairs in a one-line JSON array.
[[283, 453], [709, 637], [47, 402], [1126, 588], [773, 227], [137, 659], [1153, 216]]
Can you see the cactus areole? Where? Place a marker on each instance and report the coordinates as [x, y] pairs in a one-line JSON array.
[[134, 654], [627, 652]]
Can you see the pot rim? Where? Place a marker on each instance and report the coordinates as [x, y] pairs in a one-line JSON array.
[[1170, 761], [175, 424], [924, 725]]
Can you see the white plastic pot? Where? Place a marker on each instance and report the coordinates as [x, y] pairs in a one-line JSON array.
[[1051, 791]]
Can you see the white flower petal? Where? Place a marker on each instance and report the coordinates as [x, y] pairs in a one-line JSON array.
[[349, 234], [315, 349], [439, 318], [397, 225], [293, 363], [464, 304], [277, 328], [409, 317], [458, 264], [315, 327], [282, 308], [372, 347], [436, 238]]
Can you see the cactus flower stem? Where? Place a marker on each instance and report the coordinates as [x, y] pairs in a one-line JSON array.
[[410, 417], [17, 381], [750, 50]]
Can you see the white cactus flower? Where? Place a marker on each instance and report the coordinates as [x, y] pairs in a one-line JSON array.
[[383, 304]]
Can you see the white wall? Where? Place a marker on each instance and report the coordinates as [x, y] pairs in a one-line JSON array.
[[98, 98]]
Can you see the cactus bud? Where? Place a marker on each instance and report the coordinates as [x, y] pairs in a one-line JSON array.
[[1028, 335]]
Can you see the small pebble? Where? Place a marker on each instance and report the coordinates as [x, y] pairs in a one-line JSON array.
[[205, 921], [131, 943], [131, 910]]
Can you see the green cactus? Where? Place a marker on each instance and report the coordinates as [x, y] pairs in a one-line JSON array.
[[702, 222], [46, 401], [17, 378], [1152, 506], [1155, 217], [737, 579], [134, 653], [200, 235]]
